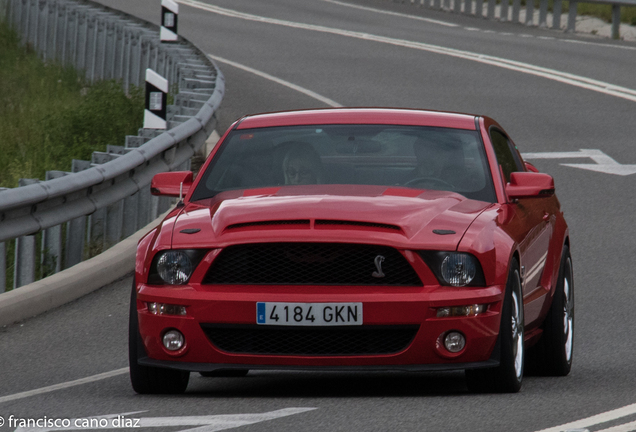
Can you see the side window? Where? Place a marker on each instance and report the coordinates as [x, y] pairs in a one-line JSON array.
[[505, 156]]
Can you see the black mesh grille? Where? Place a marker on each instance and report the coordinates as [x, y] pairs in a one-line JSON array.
[[335, 341], [311, 264]]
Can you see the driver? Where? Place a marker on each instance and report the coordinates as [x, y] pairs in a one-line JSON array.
[[438, 162], [302, 165]]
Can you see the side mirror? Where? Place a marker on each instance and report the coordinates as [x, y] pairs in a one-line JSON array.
[[529, 185], [172, 184]]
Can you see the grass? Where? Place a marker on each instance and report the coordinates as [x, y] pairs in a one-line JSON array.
[[604, 11], [49, 115]]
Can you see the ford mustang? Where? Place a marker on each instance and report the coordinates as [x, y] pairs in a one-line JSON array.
[[355, 240]]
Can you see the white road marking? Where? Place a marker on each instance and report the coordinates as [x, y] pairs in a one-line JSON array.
[[627, 427], [603, 163], [269, 77], [209, 423], [551, 74], [384, 12], [61, 386], [595, 420]]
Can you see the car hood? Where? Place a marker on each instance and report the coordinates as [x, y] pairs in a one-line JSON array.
[[401, 217]]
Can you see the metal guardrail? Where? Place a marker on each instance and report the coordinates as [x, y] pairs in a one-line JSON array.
[[511, 12], [101, 201]]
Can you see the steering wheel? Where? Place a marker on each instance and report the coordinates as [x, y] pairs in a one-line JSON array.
[[433, 180]]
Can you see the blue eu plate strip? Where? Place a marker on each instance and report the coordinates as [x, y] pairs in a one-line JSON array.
[[260, 313]]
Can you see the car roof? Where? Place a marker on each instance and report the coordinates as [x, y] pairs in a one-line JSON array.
[[389, 116]]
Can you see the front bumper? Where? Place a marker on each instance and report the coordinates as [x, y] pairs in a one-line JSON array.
[[383, 306]]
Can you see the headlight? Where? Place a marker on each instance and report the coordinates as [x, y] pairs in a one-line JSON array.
[[455, 268], [174, 267], [458, 269]]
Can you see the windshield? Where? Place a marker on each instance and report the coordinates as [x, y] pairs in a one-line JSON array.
[[408, 156]]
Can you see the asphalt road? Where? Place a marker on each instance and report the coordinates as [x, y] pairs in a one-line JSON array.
[[385, 60]]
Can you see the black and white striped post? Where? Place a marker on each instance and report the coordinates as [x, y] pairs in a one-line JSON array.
[[169, 15], [156, 99]]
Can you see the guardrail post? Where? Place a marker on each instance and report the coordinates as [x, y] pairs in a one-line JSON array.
[[556, 14], [3, 267], [75, 230], [131, 208], [479, 8], [616, 21], [516, 6], [572, 17], [73, 36], [543, 13], [82, 40], [51, 259], [91, 46], [457, 6], [468, 7], [96, 228], [24, 261], [503, 11], [529, 12], [491, 9], [135, 58], [114, 219], [51, 254], [41, 39]]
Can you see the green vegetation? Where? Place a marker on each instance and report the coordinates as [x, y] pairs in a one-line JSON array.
[[604, 11], [50, 114]]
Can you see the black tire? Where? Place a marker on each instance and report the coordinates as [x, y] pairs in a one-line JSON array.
[[552, 356], [225, 373], [508, 376], [146, 379]]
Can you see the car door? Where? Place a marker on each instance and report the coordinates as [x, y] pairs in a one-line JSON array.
[[531, 226]]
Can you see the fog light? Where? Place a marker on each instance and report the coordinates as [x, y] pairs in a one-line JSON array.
[[471, 310], [173, 340], [454, 341], [166, 309]]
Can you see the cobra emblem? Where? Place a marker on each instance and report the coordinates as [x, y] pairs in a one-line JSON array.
[[378, 265]]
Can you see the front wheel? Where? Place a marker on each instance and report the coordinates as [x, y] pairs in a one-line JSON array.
[[146, 379], [553, 354], [508, 376]]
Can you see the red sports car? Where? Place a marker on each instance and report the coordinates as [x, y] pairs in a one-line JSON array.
[[355, 240]]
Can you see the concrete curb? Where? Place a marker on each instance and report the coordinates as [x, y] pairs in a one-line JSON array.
[[79, 280]]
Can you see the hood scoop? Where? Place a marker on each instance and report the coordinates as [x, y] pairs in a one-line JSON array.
[[306, 223], [324, 223], [275, 224]]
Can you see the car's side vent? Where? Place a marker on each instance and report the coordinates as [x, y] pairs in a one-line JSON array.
[[296, 223], [325, 222]]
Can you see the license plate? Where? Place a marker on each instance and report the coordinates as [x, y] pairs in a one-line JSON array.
[[309, 314]]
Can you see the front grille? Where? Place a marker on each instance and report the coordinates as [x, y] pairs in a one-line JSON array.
[[316, 341], [311, 264]]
